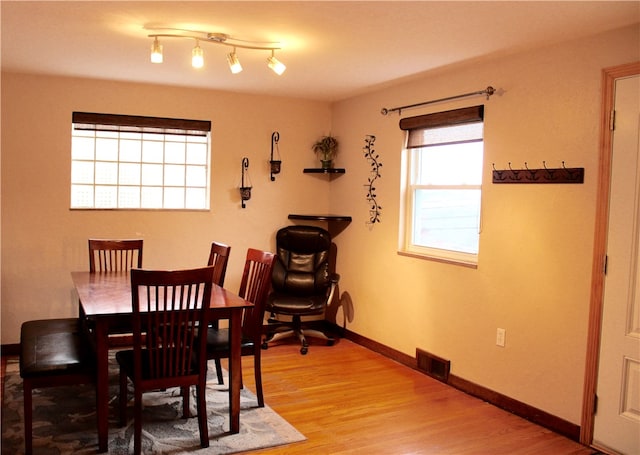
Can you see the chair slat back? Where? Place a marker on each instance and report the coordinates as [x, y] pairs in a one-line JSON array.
[[218, 258], [254, 287], [114, 255], [168, 307]]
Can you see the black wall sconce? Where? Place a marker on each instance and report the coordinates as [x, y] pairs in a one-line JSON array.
[[275, 163], [245, 183]]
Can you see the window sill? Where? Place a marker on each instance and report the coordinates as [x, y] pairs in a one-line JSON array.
[[118, 209], [471, 265]]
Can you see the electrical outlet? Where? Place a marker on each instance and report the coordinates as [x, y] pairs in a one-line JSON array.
[[500, 337]]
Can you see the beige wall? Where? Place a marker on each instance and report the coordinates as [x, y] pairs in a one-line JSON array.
[[43, 240], [533, 277], [534, 272]]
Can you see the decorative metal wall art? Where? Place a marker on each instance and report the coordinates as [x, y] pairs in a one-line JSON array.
[[275, 162], [544, 175], [374, 161], [245, 182]]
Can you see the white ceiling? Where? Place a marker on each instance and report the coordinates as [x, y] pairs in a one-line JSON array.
[[333, 50]]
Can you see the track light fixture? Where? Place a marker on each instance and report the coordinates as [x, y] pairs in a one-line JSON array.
[[276, 65], [197, 55], [234, 63], [156, 51]]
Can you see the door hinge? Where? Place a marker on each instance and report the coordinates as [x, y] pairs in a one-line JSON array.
[[606, 263], [595, 404], [612, 120]]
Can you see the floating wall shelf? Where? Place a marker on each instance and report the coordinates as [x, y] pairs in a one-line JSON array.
[[343, 218], [335, 223], [320, 170]]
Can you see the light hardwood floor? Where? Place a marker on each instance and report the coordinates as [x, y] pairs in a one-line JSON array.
[[347, 399]]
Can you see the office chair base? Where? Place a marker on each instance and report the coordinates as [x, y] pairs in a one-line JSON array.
[[301, 334]]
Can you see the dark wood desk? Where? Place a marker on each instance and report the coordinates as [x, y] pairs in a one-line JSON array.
[[105, 299]]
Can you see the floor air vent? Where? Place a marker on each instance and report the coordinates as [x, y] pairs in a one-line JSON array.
[[432, 365]]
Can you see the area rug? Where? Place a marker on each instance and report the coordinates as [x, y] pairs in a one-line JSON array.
[[64, 421]]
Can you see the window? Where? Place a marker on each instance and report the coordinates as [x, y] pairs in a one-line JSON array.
[[442, 185], [132, 162]]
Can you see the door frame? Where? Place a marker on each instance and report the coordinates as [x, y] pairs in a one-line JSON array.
[[609, 76]]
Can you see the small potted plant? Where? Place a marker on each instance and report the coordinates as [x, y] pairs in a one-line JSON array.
[[327, 149]]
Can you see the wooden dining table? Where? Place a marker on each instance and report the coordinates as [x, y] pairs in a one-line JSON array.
[[105, 302]]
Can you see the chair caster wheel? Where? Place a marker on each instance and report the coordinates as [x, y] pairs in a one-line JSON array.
[[330, 342], [265, 345], [303, 350]]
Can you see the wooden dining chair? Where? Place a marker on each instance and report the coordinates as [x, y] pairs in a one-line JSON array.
[[218, 258], [53, 352], [168, 306], [116, 255], [254, 287], [112, 255]]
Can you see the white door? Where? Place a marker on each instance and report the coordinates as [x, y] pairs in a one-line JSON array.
[[617, 420]]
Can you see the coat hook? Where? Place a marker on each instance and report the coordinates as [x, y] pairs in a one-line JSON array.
[[497, 172], [532, 172], [549, 171], [571, 175], [514, 172]]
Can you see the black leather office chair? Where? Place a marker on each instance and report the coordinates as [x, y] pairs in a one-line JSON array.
[[302, 284]]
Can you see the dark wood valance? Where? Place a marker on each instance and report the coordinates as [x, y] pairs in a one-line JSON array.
[[139, 124], [447, 118]]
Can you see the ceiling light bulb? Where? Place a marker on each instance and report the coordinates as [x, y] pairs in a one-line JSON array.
[[156, 51], [197, 57], [234, 63], [276, 65]]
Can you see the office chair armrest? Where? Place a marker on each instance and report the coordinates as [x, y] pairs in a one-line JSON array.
[[333, 280]]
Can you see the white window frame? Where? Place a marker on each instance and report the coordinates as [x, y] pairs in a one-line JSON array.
[[410, 165], [181, 162]]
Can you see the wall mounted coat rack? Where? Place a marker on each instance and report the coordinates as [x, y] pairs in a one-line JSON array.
[[544, 175]]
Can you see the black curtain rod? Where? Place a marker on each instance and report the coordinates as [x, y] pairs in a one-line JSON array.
[[488, 91]]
